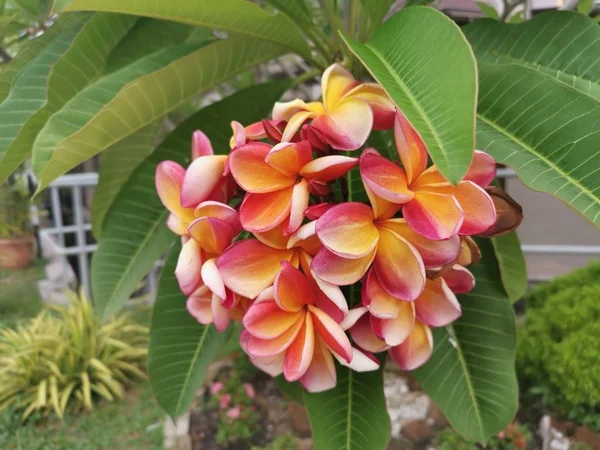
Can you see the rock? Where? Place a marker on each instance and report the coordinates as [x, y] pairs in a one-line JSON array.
[[435, 414], [299, 419], [403, 406], [552, 439], [400, 444], [418, 431], [305, 443], [176, 434]]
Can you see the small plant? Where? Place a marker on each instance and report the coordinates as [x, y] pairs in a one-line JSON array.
[[513, 437], [14, 208], [64, 357], [558, 355]]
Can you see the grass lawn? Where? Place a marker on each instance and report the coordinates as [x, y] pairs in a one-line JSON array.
[[134, 423]]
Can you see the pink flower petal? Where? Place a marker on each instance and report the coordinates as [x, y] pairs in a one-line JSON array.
[[384, 178], [288, 157], [298, 205], [459, 279], [188, 267], [299, 355], [213, 235], [220, 211], [263, 212], [415, 350], [435, 216], [411, 148], [201, 145], [331, 333], [328, 168], [340, 271], [291, 289], [395, 331], [321, 374], [201, 179], [437, 306], [482, 169]]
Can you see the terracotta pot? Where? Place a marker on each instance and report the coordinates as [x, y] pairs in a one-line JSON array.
[[16, 254]]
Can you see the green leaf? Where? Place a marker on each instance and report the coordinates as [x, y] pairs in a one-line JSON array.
[[296, 10], [585, 7], [146, 37], [517, 17], [488, 10], [511, 264], [546, 132], [235, 16], [180, 348], [351, 416], [117, 164], [134, 234], [377, 9], [126, 101], [563, 45], [471, 374], [425, 64], [50, 80]]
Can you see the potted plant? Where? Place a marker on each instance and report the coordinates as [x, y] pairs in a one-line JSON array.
[[17, 243]]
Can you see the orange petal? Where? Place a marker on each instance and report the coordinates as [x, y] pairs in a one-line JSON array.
[[220, 211], [437, 306], [273, 238], [332, 334], [169, 180], [202, 177], [378, 301], [347, 230], [347, 126], [328, 168], [411, 148], [252, 173], [341, 271], [395, 331], [189, 265], [415, 350], [270, 347], [384, 178], [249, 266], [382, 209], [399, 266], [480, 213], [299, 203], [433, 253], [433, 215], [320, 375], [213, 235], [289, 157], [335, 83], [482, 169], [266, 320], [292, 290], [201, 145], [384, 110], [299, 355], [263, 212]]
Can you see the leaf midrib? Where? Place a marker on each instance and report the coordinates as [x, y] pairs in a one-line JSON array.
[[541, 157], [133, 260]]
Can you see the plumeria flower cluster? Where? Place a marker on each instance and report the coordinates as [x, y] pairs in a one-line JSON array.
[[289, 258]]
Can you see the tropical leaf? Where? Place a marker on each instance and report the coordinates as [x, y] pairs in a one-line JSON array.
[[377, 9], [117, 164], [546, 132], [471, 374], [236, 16], [134, 233], [180, 348], [488, 10], [511, 264], [126, 101], [351, 416], [425, 64], [146, 37], [563, 45], [49, 81]]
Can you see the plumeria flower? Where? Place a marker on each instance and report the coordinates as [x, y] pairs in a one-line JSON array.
[[286, 332], [403, 327], [278, 182], [272, 129], [431, 205], [353, 237], [345, 117]]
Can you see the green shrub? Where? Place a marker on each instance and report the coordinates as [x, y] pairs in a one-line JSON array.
[[559, 344], [65, 357]]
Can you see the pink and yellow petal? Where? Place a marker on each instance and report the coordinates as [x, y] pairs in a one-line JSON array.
[[347, 230], [291, 289], [395, 331], [382, 209], [378, 301], [482, 169], [299, 355], [347, 126], [363, 336], [176, 225], [415, 350], [169, 181], [199, 307], [251, 171], [288, 157], [220, 211], [384, 110], [384, 178], [249, 266], [340, 271], [213, 235], [336, 82], [201, 145], [263, 212], [266, 320], [201, 178], [221, 315], [433, 215], [411, 148], [212, 278], [328, 168], [478, 207], [321, 374], [399, 266], [270, 347], [332, 334], [459, 279], [299, 203], [189, 265], [437, 305]]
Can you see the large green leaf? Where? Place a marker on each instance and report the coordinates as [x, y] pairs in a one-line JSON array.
[[471, 374], [146, 37], [511, 264], [351, 416], [425, 64], [69, 63], [117, 164], [563, 45], [134, 234], [180, 348], [547, 132], [235, 16], [126, 101]]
